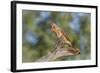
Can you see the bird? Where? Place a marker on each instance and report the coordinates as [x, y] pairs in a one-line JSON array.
[[61, 34]]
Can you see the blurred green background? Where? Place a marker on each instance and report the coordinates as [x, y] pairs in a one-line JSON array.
[[37, 38]]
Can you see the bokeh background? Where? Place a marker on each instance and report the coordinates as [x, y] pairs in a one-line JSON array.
[[38, 40]]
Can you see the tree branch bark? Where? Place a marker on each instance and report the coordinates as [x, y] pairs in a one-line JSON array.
[[59, 52]]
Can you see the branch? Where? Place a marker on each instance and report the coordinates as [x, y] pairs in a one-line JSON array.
[[59, 52]]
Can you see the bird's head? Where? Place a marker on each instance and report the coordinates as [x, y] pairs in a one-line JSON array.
[[54, 27]]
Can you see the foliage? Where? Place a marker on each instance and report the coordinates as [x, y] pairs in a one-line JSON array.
[[38, 38]]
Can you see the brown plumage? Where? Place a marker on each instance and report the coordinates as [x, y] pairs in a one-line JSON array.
[[61, 34]]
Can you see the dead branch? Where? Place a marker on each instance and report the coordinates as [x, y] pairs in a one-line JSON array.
[[59, 52]]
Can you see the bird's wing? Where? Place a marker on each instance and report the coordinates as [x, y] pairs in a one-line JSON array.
[[66, 35]]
